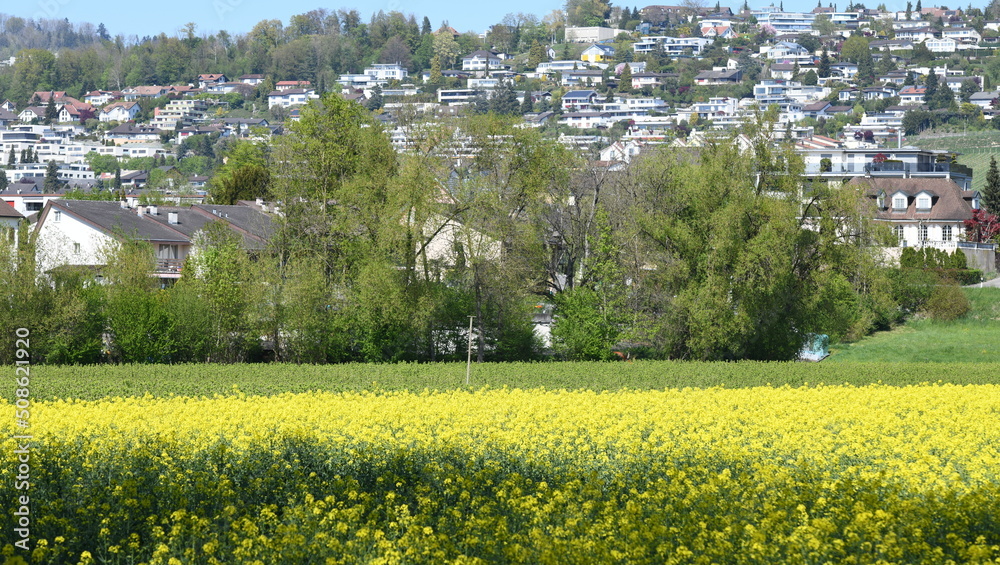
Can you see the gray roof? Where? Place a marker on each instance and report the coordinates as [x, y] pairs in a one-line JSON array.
[[111, 218], [255, 226], [984, 95], [579, 94]]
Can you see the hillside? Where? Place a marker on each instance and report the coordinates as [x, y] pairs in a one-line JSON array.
[[974, 148]]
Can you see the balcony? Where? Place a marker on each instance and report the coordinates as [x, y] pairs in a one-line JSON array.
[[169, 268], [894, 167], [946, 245]]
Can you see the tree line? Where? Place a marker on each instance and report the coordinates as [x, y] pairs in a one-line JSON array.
[[317, 46], [717, 253]]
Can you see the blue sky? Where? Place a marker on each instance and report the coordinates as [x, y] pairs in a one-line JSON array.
[[239, 16]]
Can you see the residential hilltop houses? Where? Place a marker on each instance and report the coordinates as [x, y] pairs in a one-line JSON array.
[[682, 75]]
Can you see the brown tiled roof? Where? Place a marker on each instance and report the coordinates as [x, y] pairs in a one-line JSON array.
[[8, 211], [948, 201]]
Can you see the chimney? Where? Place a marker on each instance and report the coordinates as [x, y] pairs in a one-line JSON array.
[[124, 204], [152, 211], [172, 218], [138, 211]]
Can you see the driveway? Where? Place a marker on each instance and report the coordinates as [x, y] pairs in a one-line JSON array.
[[992, 283]]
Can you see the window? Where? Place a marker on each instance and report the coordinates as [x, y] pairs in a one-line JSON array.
[[923, 232], [33, 206], [76, 248], [167, 252], [923, 202], [57, 217], [898, 232], [881, 200], [899, 202], [946, 233]]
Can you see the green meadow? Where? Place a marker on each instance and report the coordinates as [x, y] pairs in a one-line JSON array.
[[974, 338]]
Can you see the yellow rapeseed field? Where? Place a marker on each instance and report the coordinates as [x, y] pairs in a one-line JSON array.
[[823, 474]]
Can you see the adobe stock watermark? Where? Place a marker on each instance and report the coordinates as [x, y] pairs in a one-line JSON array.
[[22, 455], [50, 8], [223, 7]]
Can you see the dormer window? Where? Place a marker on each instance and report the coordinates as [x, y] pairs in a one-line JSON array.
[[881, 200], [899, 202], [923, 201]]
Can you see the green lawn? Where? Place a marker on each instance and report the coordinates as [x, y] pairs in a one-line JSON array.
[[972, 339]]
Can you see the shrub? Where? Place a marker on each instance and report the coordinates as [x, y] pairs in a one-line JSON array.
[[913, 288], [963, 276], [958, 260], [947, 303]]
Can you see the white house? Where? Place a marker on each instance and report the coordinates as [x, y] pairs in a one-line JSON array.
[[252, 80], [586, 77], [923, 212], [965, 35], [586, 120], [101, 97], [290, 97], [9, 217], [80, 232], [672, 46], [984, 99], [119, 112], [206, 80], [592, 34], [621, 151], [788, 52], [943, 45], [912, 94], [579, 99], [481, 61], [916, 35], [385, 72]]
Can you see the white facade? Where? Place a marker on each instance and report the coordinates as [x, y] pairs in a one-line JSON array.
[[548, 67], [480, 61], [672, 46], [787, 22], [122, 112], [944, 45], [290, 97], [386, 72], [586, 120], [591, 34], [66, 240]]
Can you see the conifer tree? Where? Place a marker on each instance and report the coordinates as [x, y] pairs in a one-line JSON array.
[[625, 80], [52, 177], [991, 192], [51, 114], [930, 87]]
